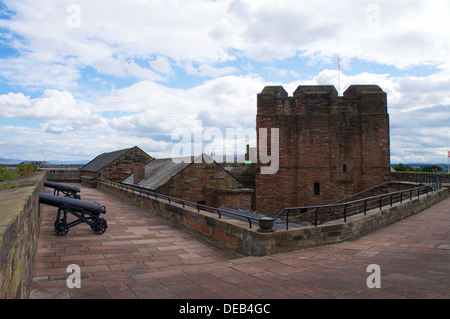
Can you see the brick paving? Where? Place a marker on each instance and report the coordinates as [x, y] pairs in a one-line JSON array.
[[142, 257]]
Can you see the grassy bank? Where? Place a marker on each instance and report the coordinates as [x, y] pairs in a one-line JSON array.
[[14, 178]]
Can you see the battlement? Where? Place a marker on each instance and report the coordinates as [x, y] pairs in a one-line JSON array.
[[313, 91], [322, 99]]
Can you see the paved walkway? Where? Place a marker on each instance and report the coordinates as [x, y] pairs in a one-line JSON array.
[[140, 256]]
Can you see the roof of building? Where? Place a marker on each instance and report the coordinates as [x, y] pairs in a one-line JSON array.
[[159, 171], [104, 159]]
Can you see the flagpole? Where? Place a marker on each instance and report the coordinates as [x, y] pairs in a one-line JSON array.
[[339, 75]]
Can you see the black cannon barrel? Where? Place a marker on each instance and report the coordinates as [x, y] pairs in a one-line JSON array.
[[64, 187], [75, 204]]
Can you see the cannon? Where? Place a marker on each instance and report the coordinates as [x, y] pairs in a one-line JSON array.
[[67, 190], [85, 212]]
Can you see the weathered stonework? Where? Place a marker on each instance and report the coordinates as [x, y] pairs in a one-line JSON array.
[[117, 170], [236, 236], [63, 175], [114, 166], [209, 184], [19, 232], [330, 147]]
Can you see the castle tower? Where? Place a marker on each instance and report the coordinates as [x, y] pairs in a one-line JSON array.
[[330, 147]]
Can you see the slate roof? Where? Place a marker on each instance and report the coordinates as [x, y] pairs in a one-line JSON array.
[[160, 171], [103, 159]]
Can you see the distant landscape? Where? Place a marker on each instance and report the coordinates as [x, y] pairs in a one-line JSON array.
[[7, 161], [410, 166]]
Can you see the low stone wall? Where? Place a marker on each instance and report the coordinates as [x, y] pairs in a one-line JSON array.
[[221, 232], [416, 177], [19, 233], [338, 231], [237, 236], [89, 179], [239, 198], [62, 175]]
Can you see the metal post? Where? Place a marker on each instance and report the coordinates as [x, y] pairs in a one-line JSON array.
[[287, 220], [315, 216]]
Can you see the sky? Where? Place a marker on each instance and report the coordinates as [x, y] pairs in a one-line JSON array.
[[79, 78]]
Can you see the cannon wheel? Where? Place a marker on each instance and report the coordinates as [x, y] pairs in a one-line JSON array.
[[61, 228], [99, 227]]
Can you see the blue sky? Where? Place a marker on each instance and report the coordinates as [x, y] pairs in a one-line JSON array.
[[79, 78]]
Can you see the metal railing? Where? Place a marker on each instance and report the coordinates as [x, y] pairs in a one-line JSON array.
[[321, 213], [185, 203], [325, 213], [424, 178]]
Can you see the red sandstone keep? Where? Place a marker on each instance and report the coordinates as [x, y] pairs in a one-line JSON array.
[[330, 146]]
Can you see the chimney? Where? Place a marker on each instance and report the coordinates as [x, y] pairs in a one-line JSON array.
[[139, 172]]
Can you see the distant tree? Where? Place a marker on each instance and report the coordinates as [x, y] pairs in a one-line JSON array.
[[22, 170], [431, 168], [7, 174], [402, 168], [26, 169]]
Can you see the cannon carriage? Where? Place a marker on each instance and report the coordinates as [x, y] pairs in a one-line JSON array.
[[84, 211]]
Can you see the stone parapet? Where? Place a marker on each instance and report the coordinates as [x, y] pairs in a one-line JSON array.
[[63, 175], [261, 244], [237, 236], [19, 232]]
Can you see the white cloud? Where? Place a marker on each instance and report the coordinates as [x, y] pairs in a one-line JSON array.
[[400, 33], [150, 42], [40, 144], [112, 36], [31, 72], [54, 107], [206, 29], [209, 71], [156, 112], [281, 72], [162, 65]]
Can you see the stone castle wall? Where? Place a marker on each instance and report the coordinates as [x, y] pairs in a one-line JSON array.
[[67, 175], [123, 167], [19, 232], [209, 184], [228, 233]]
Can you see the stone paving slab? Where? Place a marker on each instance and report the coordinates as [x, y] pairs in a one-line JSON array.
[[141, 257]]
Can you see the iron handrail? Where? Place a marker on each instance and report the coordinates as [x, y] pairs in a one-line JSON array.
[[364, 201], [183, 202], [435, 184]]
